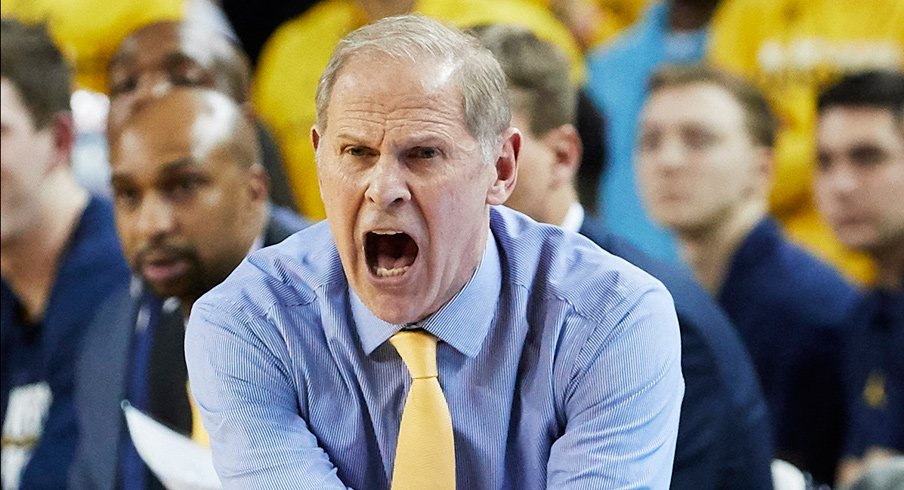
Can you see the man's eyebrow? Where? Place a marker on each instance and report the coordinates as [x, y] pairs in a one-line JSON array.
[[179, 164], [177, 57], [170, 167], [119, 58]]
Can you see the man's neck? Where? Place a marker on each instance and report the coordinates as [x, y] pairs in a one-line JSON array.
[[558, 205], [29, 262], [709, 251]]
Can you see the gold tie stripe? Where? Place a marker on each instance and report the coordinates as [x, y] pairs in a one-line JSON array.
[[425, 454]]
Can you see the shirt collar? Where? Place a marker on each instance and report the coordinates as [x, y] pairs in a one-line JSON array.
[[463, 322], [574, 218]]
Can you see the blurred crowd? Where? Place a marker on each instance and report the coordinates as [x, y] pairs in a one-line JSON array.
[[747, 153]]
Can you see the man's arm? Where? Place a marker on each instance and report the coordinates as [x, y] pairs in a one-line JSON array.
[[249, 402], [623, 402]]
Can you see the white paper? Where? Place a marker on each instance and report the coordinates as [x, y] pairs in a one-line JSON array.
[[177, 461]]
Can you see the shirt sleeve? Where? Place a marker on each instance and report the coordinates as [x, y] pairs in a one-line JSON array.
[[622, 401], [249, 404]]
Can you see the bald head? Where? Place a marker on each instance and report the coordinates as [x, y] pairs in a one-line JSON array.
[[163, 55], [203, 119], [190, 196]]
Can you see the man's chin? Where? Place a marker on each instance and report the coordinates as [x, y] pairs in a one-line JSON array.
[[395, 309], [170, 289]]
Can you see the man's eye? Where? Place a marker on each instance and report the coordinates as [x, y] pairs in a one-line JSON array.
[[189, 76], [123, 86], [648, 141], [183, 190], [425, 153], [356, 151], [126, 198], [699, 140]]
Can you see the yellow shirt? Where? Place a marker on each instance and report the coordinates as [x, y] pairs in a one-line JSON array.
[[89, 31], [292, 60], [792, 49]]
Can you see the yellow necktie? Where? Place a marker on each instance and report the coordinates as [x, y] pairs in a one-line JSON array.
[[198, 434], [425, 454]]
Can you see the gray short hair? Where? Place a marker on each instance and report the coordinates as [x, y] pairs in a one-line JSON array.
[[416, 39]]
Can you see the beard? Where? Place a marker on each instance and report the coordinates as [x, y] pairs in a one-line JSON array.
[[187, 279]]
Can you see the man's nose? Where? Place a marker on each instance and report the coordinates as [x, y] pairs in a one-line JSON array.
[[841, 178], [150, 86], [387, 185], [671, 154], [155, 219]]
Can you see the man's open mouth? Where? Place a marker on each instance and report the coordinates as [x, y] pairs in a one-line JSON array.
[[389, 253]]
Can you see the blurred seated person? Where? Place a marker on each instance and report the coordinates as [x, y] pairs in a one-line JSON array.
[[618, 73], [705, 158], [59, 258], [859, 183], [191, 203], [792, 49]]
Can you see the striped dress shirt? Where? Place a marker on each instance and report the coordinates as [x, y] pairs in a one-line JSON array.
[[559, 361]]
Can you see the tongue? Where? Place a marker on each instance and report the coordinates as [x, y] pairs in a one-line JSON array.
[[389, 262], [394, 252]]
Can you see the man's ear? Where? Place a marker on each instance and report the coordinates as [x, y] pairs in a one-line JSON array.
[[565, 144], [763, 170], [62, 128], [315, 137], [506, 168], [315, 142], [259, 183]]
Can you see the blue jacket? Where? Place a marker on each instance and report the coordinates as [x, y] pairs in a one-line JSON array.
[[90, 269]]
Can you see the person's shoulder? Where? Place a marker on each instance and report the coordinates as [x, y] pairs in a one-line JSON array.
[[95, 252], [282, 223], [292, 272], [556, 263], [814, 278]]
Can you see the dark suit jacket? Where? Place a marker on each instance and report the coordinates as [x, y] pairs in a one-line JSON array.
[[723, 435], [103, 370]]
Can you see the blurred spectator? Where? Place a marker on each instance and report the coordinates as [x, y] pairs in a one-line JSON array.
[[704, 155], [191, 202], [790, 49], [858, 186], [163, 55], [60, 258], [723, 434], [293, 59], [670, 32]]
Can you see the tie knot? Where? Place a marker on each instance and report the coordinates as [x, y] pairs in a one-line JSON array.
[[418, 350]]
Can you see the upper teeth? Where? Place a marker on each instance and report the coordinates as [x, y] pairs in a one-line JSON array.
[[386, 232]]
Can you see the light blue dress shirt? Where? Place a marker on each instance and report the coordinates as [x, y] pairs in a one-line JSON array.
[[559, 361]]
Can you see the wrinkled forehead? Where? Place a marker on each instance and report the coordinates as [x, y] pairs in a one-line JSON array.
[[424, 71], [389, 93]]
